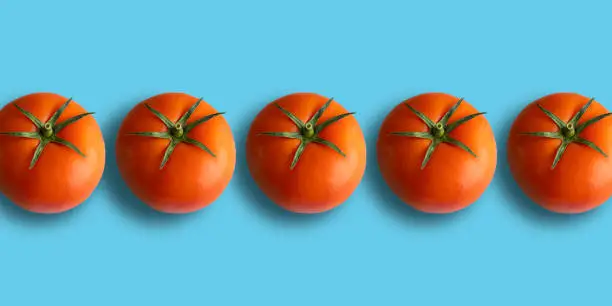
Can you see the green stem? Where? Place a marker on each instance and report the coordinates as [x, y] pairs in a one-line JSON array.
[[178, 131], [569, 131], [438, 130], [47, 130], [308, 130]]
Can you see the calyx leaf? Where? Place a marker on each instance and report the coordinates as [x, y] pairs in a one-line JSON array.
[[438, 132], [569, 132], [177, 132], [309, 131], [47, 132]]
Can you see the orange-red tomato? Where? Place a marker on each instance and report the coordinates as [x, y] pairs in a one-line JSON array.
[[558, 152], [175, 152], [436, 152], [51, 153], [306, 152]]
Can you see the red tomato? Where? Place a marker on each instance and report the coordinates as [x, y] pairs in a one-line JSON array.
[[558, 152], [176, 152], [306, 152], [437, 152], [51, 153]]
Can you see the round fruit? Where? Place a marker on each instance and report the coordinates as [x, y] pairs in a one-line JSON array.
[[175, 152], [51, 153], [436, 152], [557, 152], [306, 152]]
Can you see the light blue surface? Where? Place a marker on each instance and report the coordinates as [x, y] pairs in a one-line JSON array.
[[242, 250]]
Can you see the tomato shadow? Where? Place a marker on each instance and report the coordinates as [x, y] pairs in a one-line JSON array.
[[510, 189], [22, 217], [118, 192], [404, 213], [390, 203], [248, 188]]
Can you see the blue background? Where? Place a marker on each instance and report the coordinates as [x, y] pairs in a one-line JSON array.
[[242, 250]]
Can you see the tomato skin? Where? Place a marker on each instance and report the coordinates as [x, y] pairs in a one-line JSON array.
[[61, 178], [453, 179], [192, 178], [582, 180], [322, 179]]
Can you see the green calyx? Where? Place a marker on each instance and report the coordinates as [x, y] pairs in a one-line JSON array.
[[47, 132], [439, 132], [177, 132], [309, 131], [569, 132]]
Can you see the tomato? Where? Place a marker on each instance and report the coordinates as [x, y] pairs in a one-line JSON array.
[[306, 153], [436, 152], [175, 152], [557, 153], [52, 153]]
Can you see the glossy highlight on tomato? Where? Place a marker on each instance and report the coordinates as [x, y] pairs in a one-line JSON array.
[[306, 152], [436, 152], [175, 152], [558, 152], [52, 153]]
